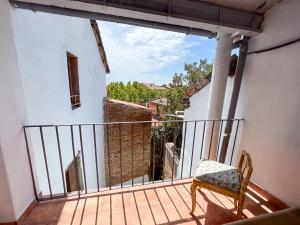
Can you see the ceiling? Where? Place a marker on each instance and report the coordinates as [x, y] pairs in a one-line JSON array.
[[200, 17], [247, 5]]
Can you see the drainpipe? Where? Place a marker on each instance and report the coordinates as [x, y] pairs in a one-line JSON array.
[[217, 93], [234, 97]]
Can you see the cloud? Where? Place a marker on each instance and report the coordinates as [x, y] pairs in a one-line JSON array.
[[159, 46], [138, 53]]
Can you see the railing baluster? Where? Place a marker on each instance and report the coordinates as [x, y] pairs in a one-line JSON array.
[[203, 132], [45, 159], [161, 158], [143, 146], [174, 148], [83, 162], [96, 158], [153, 161], [193, 146], [236, 131], [75, 161], [108, 153], [185, 128], [120, 145], [132, 155], [30, 165], [161, 152], [211, 136], [220, 134], [60, 160], [164, 150]]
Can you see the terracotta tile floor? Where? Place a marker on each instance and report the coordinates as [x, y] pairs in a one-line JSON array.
[[146, 205]]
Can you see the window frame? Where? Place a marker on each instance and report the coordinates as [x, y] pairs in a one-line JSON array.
[[73, 75]]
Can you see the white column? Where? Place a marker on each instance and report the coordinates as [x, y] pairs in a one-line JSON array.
[[217, 93]]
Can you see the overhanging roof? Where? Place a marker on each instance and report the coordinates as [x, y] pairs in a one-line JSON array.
[[100, 45], [259, 6], [187, 16]]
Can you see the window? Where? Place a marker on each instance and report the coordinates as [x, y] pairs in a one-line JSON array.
[[73, 80]]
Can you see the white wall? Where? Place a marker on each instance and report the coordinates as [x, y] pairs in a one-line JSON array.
[[271, 132], [35, 90], [16, 190], [198, 111], [42, 41]]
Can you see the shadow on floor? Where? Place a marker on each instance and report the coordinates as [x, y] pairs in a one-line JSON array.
[[162, 205]]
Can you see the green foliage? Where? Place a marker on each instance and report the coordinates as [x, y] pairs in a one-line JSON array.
[[181, 82], [196, 71], [132, 92], [160, 135]]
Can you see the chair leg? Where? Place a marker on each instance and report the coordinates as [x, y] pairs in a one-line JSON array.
[[240, 208], [235, 203], [193, 195]]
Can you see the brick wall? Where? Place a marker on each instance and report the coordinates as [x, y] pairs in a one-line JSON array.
[[126, 141]]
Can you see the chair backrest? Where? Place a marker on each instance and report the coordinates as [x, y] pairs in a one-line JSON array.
[[245, 170]]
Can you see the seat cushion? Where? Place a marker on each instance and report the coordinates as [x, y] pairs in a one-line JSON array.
[[221, 175]]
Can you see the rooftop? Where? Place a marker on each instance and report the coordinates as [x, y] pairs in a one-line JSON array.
[[194, 90], [127, 104], [154, 86], [160, 101], [100, 45]]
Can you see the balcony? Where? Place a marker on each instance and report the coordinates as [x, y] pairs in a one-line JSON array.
[[161, 203], [130, 173]]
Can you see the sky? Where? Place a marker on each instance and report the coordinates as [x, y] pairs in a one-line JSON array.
[[150, 55]]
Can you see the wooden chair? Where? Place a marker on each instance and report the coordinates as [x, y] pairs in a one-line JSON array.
[[224, 179]]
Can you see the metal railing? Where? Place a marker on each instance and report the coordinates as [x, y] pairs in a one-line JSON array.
[[78, 159]]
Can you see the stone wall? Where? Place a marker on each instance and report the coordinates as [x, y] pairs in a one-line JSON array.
[[127, 146]]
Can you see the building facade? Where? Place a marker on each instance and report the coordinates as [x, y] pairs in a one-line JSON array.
[[55, 58]]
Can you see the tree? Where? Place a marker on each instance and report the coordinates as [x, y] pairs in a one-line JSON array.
[[175, 93], [197, 71], [181, 83], [132, 92]]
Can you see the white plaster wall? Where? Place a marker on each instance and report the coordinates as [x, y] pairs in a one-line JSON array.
[[16, 190], [6, 208], [198, 105], [271, 132], [42, 41], [198, 111]]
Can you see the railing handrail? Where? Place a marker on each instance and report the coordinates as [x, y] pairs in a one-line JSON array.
[[127, 122], [142, 140]]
